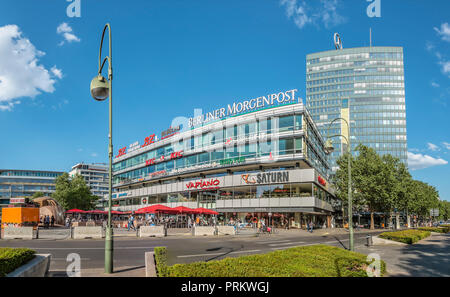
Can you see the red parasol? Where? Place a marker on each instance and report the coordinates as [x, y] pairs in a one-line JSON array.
[[156, 208], [202, 210], [75, 211], [187, 210]]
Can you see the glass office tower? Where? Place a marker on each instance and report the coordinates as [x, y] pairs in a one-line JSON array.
[[366, 85]]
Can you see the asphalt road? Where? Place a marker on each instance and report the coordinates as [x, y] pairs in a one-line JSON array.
[[129, 251]]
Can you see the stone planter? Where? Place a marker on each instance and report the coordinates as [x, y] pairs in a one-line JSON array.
[[37, 267]]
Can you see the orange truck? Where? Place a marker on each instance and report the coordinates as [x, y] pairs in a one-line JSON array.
[[20, 216]]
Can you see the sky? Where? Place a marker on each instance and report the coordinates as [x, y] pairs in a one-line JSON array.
[[171, 57]]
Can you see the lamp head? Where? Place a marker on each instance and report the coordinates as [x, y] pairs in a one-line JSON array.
[[99, 88], [329, 147]]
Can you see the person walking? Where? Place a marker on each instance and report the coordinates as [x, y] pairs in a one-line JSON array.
[[131, 223], [47, 222], [311, 226], [53, 221]]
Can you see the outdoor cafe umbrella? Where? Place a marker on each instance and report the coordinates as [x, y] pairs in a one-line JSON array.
[[75, 211], [186, 210], [157, 208], [202, 210]]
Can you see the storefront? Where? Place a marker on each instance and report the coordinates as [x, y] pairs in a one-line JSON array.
[[267, 163]]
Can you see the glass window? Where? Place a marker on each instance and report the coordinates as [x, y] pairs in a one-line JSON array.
[[286, 146], [286, 123], [298, 122], [245, 193]]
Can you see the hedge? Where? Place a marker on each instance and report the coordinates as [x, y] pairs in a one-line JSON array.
[[307, 261], [406, 236], [435, 229], [11, 259]]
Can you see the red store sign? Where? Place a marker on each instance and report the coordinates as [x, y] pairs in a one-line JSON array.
[[204, 184]]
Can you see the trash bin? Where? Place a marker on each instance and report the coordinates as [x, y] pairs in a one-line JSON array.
[[369, 240]]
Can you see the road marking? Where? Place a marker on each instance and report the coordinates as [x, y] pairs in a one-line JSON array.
[[287, 243], [64, 259], [215, 254], [75, 248], [264, 242]]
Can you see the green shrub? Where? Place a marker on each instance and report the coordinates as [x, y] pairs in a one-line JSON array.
[[406, 236], [308, 261], [11, 259], [161, 261], [435, 229]]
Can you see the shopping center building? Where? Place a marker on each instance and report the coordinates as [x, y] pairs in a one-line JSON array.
[[17, 185], [261, 157]]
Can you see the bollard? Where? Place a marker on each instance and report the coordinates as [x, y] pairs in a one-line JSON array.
[[369, 240], [37, 232]]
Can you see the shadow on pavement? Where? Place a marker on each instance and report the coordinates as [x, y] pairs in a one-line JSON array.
[[428, 258]]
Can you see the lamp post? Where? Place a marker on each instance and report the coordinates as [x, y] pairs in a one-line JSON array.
[[101, 89], [329, 149]]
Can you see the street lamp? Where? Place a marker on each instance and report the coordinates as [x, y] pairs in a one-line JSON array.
[[328, 150], [101, 89]]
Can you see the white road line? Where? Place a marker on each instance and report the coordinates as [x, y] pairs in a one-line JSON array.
[[271, 241], [63, 259], [75, 248], [287, 243], [216, 254]]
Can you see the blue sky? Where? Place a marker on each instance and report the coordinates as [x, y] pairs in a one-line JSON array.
[[170, 57]]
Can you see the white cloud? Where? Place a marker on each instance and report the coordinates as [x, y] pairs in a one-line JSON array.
[[444, 32], [303, 14], [447, 145], [20, 73], [66, 31], [435, 84], [56, 72], [432, 147], [419, 161], [94, 155], [445, 67]]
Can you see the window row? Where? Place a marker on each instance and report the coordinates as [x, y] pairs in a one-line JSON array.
[[225, 135]]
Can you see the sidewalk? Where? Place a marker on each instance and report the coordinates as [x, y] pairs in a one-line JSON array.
[[429, 257]]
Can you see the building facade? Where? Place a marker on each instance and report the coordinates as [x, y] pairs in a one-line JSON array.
[[266, 160], [96, 177], [16, 185], [365, 86]]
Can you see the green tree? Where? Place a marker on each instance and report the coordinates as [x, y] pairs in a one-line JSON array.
[[38, 195], [73, 193]]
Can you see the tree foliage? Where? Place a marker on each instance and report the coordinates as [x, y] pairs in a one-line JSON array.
[[38, 195], [73, 193], [384, 184]]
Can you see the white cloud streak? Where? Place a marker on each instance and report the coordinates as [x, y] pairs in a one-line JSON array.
[[66, 31], [419, 161], [20, 72], [444, 31], [432, 147], [303, 14]]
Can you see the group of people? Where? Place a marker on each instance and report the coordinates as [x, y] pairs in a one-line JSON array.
[[47, 221]]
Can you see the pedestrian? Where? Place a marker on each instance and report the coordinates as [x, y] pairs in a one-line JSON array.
[[47, 222], [53, 221], [131, 223], [311, 226]]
